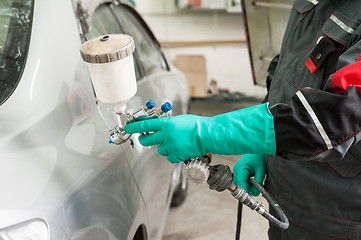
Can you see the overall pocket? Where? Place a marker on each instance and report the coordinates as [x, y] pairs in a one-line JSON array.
[[304, 6], [315, 48], [340, 27]]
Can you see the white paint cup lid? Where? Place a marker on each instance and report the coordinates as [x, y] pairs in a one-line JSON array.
[[107, 48]]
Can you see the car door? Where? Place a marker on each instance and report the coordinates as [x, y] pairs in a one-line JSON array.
[[56, 165]]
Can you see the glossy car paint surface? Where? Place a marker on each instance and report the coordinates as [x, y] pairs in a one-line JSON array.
[[56, 163]]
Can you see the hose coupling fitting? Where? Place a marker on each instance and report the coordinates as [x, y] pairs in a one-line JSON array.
[[241, 195]]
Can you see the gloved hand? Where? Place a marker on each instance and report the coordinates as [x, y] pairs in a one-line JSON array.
[[249, 130], [250, 165]]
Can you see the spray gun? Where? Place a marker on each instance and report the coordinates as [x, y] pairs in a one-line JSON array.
[[111, 67], [220, 177]]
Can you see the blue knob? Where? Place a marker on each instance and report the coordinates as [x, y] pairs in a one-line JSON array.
[[110, 140], [150, 104], [166, 107]]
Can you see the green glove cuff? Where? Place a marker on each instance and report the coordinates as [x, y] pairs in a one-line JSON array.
[[246, 131]]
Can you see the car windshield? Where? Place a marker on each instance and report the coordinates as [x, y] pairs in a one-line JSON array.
[[15, 22]]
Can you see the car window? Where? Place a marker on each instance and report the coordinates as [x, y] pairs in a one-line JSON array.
[[149, 53], [15, 28], [103, 22]]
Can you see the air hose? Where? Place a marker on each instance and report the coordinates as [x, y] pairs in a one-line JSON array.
[[283, 224], [220, 177], [239, 221]]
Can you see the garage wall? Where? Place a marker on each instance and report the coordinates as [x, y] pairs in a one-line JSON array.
[[228, 64]]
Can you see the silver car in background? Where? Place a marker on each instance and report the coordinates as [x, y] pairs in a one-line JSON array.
[[59, 176]]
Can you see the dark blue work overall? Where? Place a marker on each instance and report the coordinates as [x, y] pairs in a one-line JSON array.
[[316, 174]]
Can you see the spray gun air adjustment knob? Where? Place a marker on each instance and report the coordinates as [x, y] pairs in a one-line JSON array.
[[166, 107], [150, 104]]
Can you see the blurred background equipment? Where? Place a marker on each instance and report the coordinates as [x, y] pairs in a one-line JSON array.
[[237, 42], [194, 67], [265, 22], [228, 5]]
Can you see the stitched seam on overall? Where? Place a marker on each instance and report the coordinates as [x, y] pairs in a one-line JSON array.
[[298, 10], [341, 40], [344, 173], [303, 76], [337, 143], [299, 20], [326, 31], [303, 16], [288, 80], [354, 25], [354, 172], [354, 225]]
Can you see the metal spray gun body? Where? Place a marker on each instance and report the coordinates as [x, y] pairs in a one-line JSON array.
[[117, 134]]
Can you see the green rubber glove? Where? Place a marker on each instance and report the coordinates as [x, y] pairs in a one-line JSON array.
[[250, 165], [249, 130]]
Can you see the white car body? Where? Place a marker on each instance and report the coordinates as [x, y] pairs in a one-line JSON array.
[[58, 174]]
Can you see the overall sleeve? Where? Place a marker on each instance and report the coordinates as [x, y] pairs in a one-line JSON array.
[[323, 124]]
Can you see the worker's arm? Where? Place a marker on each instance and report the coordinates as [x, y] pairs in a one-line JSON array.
[[318, 125], [324, 124], [315, 125]]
